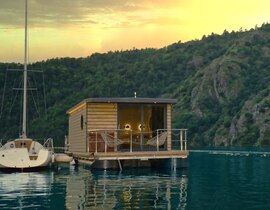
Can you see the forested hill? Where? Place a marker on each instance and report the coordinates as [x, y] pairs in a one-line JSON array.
[[221, 83]]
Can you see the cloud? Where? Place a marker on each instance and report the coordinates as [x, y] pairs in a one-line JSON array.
[[43, 13], [63, 13], [58, 12]]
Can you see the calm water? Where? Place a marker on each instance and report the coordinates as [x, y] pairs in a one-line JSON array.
[[211, 181]]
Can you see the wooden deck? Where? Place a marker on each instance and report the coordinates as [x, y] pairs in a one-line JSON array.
[[140, 155], [89, 158]]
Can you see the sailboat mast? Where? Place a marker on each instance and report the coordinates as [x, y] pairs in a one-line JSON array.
[[24, 134]]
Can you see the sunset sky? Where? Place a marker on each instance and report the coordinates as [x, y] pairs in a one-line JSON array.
[[78, 28]]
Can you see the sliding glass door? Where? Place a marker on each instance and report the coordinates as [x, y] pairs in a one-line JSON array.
[[140, 122]]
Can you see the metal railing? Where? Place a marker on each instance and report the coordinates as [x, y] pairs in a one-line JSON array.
[[48, 144], [179, 139], [120, 140]]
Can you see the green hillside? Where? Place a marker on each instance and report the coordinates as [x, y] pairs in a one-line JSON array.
[[221, 83]]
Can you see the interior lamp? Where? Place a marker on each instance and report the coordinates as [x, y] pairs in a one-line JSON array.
[[140, 127], [127, 127]]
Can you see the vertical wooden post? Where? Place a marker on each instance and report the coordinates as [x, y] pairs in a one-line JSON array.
[[86, 129]]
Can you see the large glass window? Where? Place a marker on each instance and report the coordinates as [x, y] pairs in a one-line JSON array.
[[140, 121], [129, 118]]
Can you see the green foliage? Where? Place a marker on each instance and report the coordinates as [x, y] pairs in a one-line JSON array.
[[250, 137], [235, 66]]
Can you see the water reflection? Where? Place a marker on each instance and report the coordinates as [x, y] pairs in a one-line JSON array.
[[211, 182], [80, 188], [140, 189], [17, 190]]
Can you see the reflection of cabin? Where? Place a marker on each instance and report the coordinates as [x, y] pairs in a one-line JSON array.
[[89, 190], [109, 126]]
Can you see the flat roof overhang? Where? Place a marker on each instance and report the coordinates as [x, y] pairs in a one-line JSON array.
[[131, 100]]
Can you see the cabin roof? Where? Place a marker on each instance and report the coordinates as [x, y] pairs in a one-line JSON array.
[[131, 100]]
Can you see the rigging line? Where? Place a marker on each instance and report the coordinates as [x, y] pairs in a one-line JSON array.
[[3, 96], [35, 81], [20, 123], [33, 98], [28, 40], [15, 81], [15, 97], [44, 92]]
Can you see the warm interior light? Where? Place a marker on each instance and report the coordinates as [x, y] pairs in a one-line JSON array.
[[127, 126], [140, 127]]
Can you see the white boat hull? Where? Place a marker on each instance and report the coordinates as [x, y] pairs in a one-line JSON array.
[[18, 158]]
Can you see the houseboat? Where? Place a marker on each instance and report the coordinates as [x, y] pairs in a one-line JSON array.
[[125, 132]]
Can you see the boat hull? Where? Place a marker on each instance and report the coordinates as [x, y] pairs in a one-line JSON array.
[[18, 159]]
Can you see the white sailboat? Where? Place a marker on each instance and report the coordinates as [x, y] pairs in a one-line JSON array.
[[24, 154]]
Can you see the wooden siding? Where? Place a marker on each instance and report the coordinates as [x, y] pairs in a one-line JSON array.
[[169, 126], [76, 135], [100, 116]]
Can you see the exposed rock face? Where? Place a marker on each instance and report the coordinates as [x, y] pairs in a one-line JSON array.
[[229, 97], [222, 81], [255, 115]]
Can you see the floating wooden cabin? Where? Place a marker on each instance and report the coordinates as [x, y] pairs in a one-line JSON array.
[[122, 132]]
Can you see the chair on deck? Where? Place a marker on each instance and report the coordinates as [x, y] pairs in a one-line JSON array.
[[110, 140], [160, 139]]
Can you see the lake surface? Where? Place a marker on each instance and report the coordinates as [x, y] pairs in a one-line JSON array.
[[211, 181]]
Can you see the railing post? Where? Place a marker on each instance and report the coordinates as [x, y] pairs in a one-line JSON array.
[[181, 139], [96, 142], [52, 144], [65, 143], [105, 143], [115, 137], [130, 140], [185, 139], [87, 141], [157, 141]]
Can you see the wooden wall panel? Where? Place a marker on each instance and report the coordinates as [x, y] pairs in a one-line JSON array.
[[76, 135], [100, 116]]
